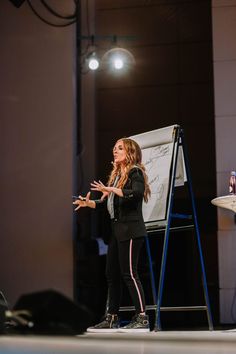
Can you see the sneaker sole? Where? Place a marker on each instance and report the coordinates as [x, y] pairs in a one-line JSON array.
[[134, 330], [102, 330]]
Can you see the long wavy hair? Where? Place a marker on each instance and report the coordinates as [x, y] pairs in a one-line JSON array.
[[133, 159]]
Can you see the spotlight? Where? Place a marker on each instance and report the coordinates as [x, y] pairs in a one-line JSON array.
[[118, 63], [93, 61], [118, 58], [93, 64]]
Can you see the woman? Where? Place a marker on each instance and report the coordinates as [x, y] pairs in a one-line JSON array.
[[126, 190]]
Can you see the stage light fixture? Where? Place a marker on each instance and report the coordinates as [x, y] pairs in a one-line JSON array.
[[17, 3], [93, 61], [118, 59], [118, 63], [114, 58]]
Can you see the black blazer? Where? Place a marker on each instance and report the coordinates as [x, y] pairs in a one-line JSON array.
[[128, 222]]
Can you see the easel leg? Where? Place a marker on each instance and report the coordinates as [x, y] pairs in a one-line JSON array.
[[209, 316]]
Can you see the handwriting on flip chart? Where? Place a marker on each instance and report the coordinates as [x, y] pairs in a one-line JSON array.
[[156, 165], [158, 150], [157, 161]]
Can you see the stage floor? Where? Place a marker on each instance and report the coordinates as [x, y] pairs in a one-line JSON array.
[[163, 342]]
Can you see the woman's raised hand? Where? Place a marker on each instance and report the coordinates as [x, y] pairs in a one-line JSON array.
[[100, 187], [83, 202]]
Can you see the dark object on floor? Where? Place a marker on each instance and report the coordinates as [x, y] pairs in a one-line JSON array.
[[49, 312]]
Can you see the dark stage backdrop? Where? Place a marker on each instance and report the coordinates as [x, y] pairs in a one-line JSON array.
[[172, 82]]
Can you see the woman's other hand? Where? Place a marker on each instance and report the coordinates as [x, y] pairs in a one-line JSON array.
[[84, 202]]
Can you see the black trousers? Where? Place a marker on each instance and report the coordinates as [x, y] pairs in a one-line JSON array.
[[122, 262]]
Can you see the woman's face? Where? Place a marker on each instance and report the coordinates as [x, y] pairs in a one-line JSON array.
[[119, 152]]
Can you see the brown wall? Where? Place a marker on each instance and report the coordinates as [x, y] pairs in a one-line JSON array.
[[37, 109]]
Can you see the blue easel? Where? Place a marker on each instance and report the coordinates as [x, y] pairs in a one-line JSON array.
[[157, 296], [179, 142]]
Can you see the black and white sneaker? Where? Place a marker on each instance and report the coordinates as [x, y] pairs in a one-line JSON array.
[[138, 324], [109, 325]]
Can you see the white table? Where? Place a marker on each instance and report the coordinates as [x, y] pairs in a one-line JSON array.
[[227, 202]]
